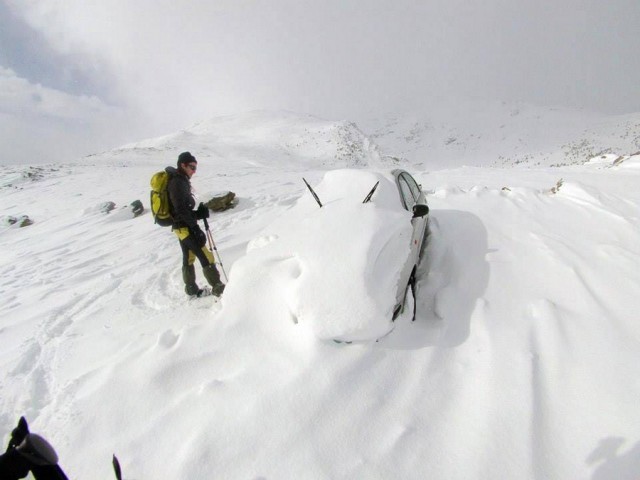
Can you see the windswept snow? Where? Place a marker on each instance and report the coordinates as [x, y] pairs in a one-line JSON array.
[[522, 362], [304, 254]]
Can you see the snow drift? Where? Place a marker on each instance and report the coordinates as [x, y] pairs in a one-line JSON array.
[[522, 361]]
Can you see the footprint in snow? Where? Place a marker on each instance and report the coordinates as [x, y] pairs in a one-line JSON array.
[[168, 339]]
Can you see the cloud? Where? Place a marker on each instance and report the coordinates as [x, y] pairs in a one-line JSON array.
[[19, 97], [39, 124], [173, 63]]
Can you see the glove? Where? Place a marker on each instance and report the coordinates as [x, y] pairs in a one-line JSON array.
[[202, 212], [13, 465], [198, 235], [19, 433]]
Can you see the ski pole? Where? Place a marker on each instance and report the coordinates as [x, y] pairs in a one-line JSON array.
[[212, 246]]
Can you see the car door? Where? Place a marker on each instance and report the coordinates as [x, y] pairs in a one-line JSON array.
[[413, 195], [408, 199], [421, 224]]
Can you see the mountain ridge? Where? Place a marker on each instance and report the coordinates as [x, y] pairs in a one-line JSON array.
[[482, 134]]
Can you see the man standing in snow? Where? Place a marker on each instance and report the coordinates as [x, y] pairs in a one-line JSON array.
[[192, 239]]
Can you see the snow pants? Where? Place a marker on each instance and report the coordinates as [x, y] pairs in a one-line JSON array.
[[190, 251]]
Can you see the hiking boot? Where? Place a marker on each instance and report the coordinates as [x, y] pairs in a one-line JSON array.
[[206, 292], [203, 292], [213, 277], [189, 278], [217, 291]]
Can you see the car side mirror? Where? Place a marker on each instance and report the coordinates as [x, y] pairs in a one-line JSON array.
[[420, 210]]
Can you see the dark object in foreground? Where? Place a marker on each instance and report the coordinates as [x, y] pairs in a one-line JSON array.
[[28, 452], [116, 468]]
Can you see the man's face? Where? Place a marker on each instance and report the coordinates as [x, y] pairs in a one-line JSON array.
[[189, 168]]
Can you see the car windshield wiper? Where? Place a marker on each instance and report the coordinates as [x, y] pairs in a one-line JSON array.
[[312, 192], [368, 197]]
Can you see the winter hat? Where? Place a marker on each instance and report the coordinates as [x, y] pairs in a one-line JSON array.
[[186, 157]]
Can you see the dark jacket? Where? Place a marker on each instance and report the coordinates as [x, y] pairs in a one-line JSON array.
[[181, 200]]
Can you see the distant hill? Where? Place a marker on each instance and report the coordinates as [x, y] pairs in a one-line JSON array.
[[503, 134], [256, 138], [480, 134]]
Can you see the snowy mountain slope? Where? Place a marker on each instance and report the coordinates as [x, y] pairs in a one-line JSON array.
[[474, 134], [522, 361], [503, 135], [256, 138]]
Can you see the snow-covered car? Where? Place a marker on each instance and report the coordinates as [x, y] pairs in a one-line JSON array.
[[344, 256]]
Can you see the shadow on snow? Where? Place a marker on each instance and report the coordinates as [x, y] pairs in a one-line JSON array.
[[452, 277]]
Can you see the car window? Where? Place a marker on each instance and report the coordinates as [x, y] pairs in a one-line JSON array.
[[407, 195], [413, 185]]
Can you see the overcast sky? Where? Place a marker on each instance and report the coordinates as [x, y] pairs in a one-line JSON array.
[[80, 76]]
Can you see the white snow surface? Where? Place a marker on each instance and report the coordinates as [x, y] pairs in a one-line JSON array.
[[304, 254], [523, 361]]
